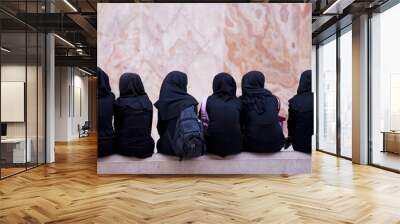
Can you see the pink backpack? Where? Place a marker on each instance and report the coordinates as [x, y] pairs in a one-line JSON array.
[[203, 113]]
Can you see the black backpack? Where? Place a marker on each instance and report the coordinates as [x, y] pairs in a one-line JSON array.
[[188, 140]]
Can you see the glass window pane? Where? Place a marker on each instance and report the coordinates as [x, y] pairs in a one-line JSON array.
[[346, 94], [23, 86], [13, 86], [41, 98], [385, 84], [32, 87], [327, 96], [32, 97]]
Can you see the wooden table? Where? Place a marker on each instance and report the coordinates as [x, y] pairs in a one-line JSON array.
[[391, 141]]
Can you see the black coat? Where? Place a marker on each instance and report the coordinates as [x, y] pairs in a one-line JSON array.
[[105, 102], [133, 118], [223, 136], [173, 99], [261, 129], [166, 130], [301, 115]]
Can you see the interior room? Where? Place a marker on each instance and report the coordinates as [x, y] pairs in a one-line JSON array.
[[22, 99], [52, 127]]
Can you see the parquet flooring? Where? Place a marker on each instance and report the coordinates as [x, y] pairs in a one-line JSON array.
[[70, 191]]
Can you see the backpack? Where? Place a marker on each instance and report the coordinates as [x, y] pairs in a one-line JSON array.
[[188, 140]]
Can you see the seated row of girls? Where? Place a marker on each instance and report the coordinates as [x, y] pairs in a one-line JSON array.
[[132, 111], [105, 112], [250, 123]]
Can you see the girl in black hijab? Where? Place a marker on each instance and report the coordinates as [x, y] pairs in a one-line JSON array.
[[223, 135], [105, 101], [261, 129], [173, 99], [301, 115], [133, 118]]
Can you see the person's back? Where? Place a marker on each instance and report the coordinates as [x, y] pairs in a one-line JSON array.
[[172, 101], [105, 102], [133, 118], [223, 135], [301, 115], [261, 129]]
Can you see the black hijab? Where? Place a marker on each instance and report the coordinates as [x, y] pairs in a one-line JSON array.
[[224, 86], [253, 91], [173, 96], [132, 93], [304, 100], [130, 84], [305, 82], [103, 83]]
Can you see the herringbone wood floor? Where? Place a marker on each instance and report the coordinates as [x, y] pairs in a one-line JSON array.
[[70, 191]]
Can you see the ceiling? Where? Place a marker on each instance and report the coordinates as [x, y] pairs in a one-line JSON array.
[[75, 22]]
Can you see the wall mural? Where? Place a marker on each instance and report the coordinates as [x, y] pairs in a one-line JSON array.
[[203, 40]]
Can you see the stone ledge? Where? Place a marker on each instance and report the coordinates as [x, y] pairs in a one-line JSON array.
[[285, 162]]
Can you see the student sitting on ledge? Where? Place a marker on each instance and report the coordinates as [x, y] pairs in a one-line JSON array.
[[301, 115], [105, 101], [260, 122], [133, 118], [223, 108], [172, 101]]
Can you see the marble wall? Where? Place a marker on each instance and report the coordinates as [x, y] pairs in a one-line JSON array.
[[202, 40]]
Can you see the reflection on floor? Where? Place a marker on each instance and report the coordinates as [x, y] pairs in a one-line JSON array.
[[11, 169], [70, 191], [387, 159]]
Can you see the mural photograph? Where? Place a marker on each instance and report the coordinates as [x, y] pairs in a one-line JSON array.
[[201, 88]]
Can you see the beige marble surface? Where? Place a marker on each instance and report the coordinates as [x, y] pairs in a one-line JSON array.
[[202, 40]]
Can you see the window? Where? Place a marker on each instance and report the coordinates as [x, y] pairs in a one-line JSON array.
[[346, 93], [327, 96], [22, 77], [385, 89]]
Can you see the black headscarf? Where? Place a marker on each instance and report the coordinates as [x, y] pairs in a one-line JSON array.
[[132, 93], [305, 82], [253, 91], [224, 86], [130, 84], [173, 96], [304, 100], [103, 83]]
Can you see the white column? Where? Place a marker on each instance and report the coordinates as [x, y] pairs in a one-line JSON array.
[[50, 98], [360, 90]]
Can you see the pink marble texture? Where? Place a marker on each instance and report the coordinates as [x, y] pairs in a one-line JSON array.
[[202, 40]]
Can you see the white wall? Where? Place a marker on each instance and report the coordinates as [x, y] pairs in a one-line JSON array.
[[61, 103], [80, 89], [71, 87], [33, 126], [12, 73]]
